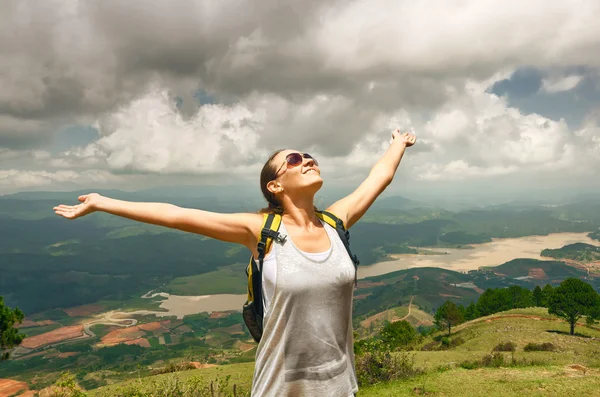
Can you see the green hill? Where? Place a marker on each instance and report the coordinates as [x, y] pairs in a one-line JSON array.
[[572, 369], [579, 252], [537, 269]]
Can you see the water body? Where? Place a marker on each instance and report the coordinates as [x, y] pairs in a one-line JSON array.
[[493, 253]]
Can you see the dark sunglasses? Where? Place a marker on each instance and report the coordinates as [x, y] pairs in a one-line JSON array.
[[294, 160]]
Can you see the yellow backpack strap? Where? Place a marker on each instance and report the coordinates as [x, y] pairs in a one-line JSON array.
[[339, 226], [330, 219], [269, 231]]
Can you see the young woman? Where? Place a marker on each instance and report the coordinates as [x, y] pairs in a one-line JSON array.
[[308, 280]]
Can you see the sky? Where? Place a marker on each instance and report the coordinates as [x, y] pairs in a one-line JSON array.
[[504, 98]]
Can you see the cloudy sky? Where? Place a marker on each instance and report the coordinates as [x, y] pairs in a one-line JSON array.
[[503, 97]]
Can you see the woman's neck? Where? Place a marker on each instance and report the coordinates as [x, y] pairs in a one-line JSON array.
[[301, 212]]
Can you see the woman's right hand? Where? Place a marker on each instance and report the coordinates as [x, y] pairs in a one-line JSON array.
[[89, 204]]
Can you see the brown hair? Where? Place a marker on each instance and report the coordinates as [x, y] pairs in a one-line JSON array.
[[268, 173]]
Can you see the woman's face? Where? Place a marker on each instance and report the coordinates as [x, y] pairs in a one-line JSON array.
[[291, 178]]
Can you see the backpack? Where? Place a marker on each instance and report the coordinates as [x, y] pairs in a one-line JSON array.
[[252, 310]]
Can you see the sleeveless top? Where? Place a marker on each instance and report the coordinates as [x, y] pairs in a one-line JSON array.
[[307, 344]]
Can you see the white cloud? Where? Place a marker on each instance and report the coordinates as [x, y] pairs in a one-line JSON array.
[[331, 77], [18, 179], [561, 84]]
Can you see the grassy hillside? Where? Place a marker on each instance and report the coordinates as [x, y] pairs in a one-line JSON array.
[[579, 252], [572, 369]]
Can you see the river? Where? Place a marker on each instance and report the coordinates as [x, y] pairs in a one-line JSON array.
[[493, 253]]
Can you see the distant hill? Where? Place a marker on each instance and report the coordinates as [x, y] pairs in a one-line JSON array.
[[399, 203], [538, 270], [430, 287], [579, 251]]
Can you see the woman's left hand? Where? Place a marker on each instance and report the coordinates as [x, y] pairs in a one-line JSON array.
[[406, 138]]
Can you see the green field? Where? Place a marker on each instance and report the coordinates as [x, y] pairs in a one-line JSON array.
[[573, 369], [225, 280]]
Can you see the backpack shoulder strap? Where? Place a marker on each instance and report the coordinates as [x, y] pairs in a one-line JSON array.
[[338, 224], [268, 232]]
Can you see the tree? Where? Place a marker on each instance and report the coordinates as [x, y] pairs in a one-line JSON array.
[[538, 296], [398, 334], [520, 297], [547, 290], [9, 335], [471, 312], [572, 299], [448, 315]]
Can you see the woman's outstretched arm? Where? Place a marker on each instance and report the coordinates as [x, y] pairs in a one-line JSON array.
[[239, 228], [352, 207]]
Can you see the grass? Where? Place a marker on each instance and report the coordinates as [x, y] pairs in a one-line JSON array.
[[154, 342], [502, 382], [550, 376], [225, 280], [483, 334], [241, 374]]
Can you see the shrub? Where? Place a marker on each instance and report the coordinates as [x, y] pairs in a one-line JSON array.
[[65, 386], [173, 367], [173, 386], [497, 360], [456, 342], [505, 347], [375, 363], [494, 360], [539, 347]]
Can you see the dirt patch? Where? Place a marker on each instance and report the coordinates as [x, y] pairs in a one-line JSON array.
[[198, 365], [29, 323], [361, 296], [134, 335], [537, 273], [155, 327], [139, 341], [244, 347], [58, 335], [219, 314], [122, 336], [8, 387], [84, 311]]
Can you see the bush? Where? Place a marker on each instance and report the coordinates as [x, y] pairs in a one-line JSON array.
[[540, 347], [173, 386], [505, 347], [65, 386], [494, 360], [173, 367], [497, 360], [375, 363]]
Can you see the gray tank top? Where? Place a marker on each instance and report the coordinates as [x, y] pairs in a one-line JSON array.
[[307, 343]]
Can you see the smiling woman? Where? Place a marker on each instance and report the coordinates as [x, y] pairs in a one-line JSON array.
[[306, 348]]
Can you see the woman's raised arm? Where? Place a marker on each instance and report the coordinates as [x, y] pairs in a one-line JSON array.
[[352, 207], [239, 228]]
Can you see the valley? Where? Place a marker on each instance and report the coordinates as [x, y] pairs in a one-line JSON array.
[[111, 298]]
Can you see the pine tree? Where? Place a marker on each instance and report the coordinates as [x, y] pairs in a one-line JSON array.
[[447, 316]]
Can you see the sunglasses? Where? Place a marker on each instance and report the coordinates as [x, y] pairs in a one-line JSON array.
[[295, 159]]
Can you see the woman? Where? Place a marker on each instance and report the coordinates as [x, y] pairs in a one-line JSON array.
[[308, 280]]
